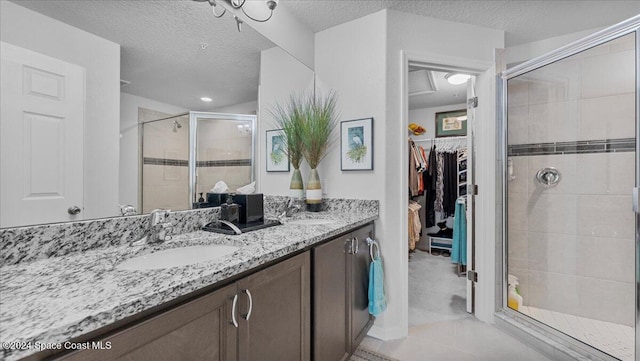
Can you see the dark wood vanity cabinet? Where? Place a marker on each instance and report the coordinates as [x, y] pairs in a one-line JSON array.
[[279, 326], [197, 330], [272, 313], [341, 317]]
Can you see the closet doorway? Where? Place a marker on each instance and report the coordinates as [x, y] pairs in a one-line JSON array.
[[440, 214]]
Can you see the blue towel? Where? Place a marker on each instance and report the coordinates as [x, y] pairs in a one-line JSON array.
[[459, 246], [377, 302]]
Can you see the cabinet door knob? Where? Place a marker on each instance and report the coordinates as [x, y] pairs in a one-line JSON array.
[[233, 311], [73, 210], [248, 314]]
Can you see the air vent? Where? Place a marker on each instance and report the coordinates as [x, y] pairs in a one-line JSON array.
[[421, 82]]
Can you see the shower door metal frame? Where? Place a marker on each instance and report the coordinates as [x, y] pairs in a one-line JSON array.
[[193, 138], [630, 26]]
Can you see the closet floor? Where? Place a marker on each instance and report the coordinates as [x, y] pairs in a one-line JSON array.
[[436, 293]]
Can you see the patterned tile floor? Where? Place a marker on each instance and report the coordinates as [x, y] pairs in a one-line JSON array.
[[612, 338]]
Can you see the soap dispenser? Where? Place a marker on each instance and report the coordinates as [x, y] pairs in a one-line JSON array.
[[230, 211]]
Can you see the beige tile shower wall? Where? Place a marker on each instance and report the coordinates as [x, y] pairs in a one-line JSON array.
[[223, 140], [160, 141], [165, 187], [572, 246], [588, 96]]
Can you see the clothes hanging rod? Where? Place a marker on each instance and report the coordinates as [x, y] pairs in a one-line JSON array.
[[440, 139]]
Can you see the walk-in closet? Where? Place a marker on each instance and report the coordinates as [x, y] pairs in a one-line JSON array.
[[439, 171]]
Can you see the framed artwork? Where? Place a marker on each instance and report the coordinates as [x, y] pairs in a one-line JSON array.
[[356, 144], [451, 123], [277, 159]]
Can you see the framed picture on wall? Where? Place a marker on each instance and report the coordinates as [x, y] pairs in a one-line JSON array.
[[356, 144], [277, 159], [451, 123]]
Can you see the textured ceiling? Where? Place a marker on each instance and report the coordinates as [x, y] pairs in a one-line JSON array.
[[163, 60], [522, 21], [161, 52]]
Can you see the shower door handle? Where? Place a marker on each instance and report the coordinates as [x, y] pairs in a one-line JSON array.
[[636, 199]]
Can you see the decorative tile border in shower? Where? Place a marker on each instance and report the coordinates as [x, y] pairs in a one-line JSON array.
[[165, 161], [200, 163], [577, 147], [223, 163]]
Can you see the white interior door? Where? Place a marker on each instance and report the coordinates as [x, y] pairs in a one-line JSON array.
[[41, 138], [471, 118]]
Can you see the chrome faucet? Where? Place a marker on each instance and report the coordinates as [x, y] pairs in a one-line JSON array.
[[293, 206], [159, 230]]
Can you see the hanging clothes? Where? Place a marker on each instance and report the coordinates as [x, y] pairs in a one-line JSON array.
[[459, 246], [440, 183], [414, 224], [430, 180], [450, 183], [417, 165]]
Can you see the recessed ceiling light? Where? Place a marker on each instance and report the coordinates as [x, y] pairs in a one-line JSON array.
[[457, 78], [206, 99]]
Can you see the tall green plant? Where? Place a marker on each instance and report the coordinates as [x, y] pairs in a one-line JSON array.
[[318, 128], [289, 118]]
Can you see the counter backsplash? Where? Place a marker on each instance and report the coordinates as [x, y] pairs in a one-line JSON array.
[[30, 243]]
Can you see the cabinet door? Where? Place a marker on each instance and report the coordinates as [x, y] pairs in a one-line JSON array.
[[361, 320], [331, 339], [278, 326], [198, 330]]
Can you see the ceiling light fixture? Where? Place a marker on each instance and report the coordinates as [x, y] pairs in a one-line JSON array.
[[239, 4], [206, 99], [457, 78]]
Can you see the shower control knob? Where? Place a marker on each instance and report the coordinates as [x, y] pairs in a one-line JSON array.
[[73, 210], [548, 177]]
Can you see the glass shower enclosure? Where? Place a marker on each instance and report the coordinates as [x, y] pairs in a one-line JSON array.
[[183, 156], [570, 156]]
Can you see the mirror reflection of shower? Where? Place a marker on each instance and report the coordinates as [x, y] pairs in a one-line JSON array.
[[176, 126]]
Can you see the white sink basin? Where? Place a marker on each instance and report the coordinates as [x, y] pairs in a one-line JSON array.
[[311, 222], [176, 257]]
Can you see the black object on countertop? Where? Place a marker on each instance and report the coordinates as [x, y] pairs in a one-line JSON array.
[[219, 227], [251, 207]]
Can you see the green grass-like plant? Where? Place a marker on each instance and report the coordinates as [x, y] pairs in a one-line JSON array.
[[289, 118], [318, 128]]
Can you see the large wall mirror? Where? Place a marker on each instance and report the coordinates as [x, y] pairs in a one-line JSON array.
[[115, 65]]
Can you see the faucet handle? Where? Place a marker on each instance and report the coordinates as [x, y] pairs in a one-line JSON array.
[[158, 216]]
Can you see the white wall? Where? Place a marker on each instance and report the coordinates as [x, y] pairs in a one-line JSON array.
[[280, 75], [426, 117], [362, 61], [242, 108], [129, 104], [101, 59]]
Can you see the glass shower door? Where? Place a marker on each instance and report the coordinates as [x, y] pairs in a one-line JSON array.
[[164, 164], [570, 234]]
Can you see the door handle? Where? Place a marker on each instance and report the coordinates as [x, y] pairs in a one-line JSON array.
[[233, 310], [73, 210], [357, 246], [248, 314]]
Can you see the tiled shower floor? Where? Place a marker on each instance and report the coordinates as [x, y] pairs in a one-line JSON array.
[[612, 338]]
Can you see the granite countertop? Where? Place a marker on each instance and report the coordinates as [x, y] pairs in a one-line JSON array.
[[55, 299]]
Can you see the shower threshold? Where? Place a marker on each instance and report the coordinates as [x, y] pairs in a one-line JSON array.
[[612, 338]]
